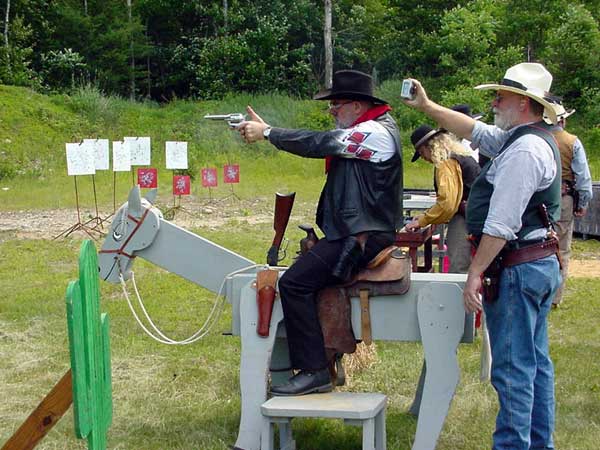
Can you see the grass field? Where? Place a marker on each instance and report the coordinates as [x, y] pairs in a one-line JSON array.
[[184, 398], [187, 397]]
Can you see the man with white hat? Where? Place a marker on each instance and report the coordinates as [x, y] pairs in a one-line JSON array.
[[516, 261], [576, 190]]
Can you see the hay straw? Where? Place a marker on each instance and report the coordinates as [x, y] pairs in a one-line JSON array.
[[364, 357]]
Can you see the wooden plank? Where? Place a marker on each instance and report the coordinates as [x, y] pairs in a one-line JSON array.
[[44, 417]]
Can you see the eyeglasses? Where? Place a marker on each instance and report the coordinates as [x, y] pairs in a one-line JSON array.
[[337, 106]]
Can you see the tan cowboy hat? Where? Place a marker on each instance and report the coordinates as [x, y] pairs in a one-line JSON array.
[[531, 80], [561, 113]]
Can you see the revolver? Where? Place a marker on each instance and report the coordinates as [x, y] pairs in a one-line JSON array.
[[233, 120]]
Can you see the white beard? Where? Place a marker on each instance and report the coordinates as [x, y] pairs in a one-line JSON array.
[[505, 120], [340, 125]]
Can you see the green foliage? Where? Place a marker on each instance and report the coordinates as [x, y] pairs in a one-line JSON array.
[[96, 107], [8, 167], [171, 49], [253, 60], [526, 25], [15, 60], [573, 53], [62, 67]]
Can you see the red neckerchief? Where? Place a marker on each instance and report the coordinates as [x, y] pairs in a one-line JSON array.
[[371, 114]]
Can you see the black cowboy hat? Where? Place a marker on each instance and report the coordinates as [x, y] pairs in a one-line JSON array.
[[420, 136], [351, 85], [466, 110]]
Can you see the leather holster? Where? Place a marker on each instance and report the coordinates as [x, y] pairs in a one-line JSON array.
[[349, 259], [266, 280]]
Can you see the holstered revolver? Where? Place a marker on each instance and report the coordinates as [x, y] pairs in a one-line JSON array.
[[490, 282], [309, 241]]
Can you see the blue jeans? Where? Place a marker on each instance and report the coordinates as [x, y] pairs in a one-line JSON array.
[[522, 372]]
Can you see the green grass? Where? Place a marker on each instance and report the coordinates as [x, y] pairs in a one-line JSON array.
[[169, 397]]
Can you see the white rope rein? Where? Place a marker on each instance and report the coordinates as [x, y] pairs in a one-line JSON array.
[[209, 323]]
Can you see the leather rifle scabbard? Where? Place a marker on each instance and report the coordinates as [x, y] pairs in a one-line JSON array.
[[266, 280]]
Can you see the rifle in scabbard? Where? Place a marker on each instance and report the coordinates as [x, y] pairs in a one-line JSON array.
[[266, 279], [283, 209]]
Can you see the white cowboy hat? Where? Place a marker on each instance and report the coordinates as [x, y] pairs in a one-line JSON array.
[[531, 80], [561, 113]]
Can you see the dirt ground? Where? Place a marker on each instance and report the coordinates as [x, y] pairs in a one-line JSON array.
[[584, 268], [47, 224]]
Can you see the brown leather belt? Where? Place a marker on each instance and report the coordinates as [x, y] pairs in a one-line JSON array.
[[529, 253]]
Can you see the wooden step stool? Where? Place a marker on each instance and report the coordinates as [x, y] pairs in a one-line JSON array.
[[362, 409]]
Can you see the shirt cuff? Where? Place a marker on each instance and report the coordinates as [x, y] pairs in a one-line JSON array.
[[499, 230], [423, 222], [584, 201]]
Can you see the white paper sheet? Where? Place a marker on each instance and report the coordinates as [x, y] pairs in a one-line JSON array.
[[176, 155], [80, 159], [140, 150], [121, 157], [101, 152]]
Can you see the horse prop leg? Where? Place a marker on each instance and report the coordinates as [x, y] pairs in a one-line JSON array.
[[442, 325], [254, 368]]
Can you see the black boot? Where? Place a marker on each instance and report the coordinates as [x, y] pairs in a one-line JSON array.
[[305, 382]]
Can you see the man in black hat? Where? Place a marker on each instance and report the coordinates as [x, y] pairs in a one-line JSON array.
[[359, 211]]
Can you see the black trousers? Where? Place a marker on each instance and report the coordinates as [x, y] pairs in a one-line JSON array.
[[298, 288]]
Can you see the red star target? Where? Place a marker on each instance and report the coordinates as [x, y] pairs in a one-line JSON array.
[[209, 177], [147, 178], [231, 173], [181, 185]]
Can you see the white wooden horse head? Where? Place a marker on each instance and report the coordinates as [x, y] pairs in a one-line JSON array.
[[134, 228]]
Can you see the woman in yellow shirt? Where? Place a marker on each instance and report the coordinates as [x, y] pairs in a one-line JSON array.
[[455, 171]]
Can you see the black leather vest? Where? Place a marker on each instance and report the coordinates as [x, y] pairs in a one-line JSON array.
[[363, 196]]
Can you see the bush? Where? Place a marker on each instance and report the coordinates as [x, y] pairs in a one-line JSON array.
[[254, 60], [89, 101], [15, 59], [62, 68], [573, 52], [8, 167]]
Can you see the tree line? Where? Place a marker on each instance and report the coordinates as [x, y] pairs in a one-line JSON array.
[[165, 49]]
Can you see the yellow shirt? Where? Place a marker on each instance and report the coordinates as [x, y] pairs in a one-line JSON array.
[[450, 187]]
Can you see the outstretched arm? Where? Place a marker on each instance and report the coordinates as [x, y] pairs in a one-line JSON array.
[[458, 123]]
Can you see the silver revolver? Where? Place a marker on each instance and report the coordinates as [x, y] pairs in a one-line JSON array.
[[233, 120]]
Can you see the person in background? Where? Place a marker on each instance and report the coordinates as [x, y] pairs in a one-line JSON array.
[[359, 211], [576, 189], [516, 253], [466, 110], [454, 173]]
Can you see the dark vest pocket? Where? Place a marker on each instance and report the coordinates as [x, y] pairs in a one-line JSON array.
[[348, 212]]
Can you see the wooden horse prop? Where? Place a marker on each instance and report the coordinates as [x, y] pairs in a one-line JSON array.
[[431, 311]]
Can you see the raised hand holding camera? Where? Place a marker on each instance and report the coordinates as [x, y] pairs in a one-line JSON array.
[[408, 89]]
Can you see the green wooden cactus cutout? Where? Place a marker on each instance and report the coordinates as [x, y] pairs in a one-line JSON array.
[[90, 352]]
